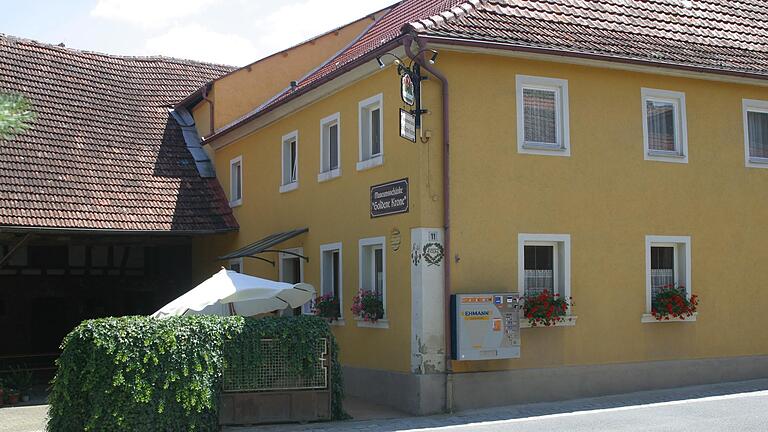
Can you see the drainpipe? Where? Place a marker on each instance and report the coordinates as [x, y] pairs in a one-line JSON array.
[[407, 41], [210, 108]]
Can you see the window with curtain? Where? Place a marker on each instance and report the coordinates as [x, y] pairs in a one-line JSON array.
[[757, 126], [539, 269], [540, 117], [661, 121], [662, 268]]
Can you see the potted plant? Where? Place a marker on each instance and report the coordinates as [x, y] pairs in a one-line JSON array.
[[673, 302], [327, 306], [13, 396], [545, 309], [368, 306], [21, 379]]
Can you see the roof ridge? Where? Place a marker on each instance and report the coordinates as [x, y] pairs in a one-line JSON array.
[[62, 47], [453, 13]]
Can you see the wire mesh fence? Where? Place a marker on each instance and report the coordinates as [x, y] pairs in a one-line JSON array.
[[273, 372]]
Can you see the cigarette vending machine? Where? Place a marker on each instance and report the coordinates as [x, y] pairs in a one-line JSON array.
[[485, 326]]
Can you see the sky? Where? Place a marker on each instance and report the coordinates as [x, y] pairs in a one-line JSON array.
[[231, 32]]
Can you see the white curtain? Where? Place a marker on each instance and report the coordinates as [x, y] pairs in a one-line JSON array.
[[540, 116], [758, 134], [661, 125]]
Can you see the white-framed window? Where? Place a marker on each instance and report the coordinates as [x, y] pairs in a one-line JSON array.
[[665, 132], [371, 121], [236, 181], [330, 147], [544, 263], [373, 269], [755, 133], [667, 264], [542, 116], [290, 162], [331, 274], [236, 264], [291, 270]]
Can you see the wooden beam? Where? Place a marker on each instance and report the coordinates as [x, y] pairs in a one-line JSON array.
[[10, 253]]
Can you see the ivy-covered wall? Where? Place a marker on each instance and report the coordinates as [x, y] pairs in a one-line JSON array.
[[146, 374]]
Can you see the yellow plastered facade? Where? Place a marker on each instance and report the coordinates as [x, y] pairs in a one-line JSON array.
[[605, 195]]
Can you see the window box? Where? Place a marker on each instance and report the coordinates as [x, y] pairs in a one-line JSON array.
[[567, 321], [648, 318], [672, 303], [545, 309], [542, 116], [755, 133], [368, 306], [380, 324], [665, 135], [327, 306]]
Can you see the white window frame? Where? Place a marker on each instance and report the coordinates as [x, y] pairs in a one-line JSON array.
[[325, 149], [562, 120], [287, 138], [237, 262], [558, 241], [677, 242], [331, 247], [306, 309], [235, 202], [752, 105], [677, 99], [362, 245], [366, 160]]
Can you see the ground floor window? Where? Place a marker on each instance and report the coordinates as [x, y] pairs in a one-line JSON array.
[[291, 269], [373, 267], [331, 273], [668, 265], [544, 264], [236, 265]]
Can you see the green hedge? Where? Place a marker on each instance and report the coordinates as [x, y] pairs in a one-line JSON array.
[[146, 374]]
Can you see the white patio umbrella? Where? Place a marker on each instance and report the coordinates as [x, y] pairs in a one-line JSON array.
[[230, 293]]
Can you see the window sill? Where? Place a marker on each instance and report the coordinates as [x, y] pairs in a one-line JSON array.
[[370, 163], [328, 175], [757, 162], [543, 150], [649, 319], [382, 323], [238, 203], [568, 321], [337, 323], [289, 187], [660, 156]]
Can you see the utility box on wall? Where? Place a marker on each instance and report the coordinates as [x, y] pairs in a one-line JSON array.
[[485, 326]]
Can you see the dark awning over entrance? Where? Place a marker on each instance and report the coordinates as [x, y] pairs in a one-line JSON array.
[[264, 244]]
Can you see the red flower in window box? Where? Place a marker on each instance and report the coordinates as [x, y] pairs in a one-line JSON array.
[[368, 306], [545, 309], [327, 306], [673, 302]]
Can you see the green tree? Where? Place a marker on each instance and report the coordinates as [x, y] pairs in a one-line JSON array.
[[16, 115]]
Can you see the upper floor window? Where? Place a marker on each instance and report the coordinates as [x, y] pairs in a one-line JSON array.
[[290, 164], [756, 133], [542, 116], [371, 118], [236, 181], [330, 148], [665, 137]]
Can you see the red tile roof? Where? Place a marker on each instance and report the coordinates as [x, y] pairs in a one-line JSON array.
[[103, 153], [721, 37], [716, 36]]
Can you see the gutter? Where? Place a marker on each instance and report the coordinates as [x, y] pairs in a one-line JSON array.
[[446, 189], [49, 230]]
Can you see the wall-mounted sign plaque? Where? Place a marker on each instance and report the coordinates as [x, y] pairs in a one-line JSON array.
[[407, 89], [389, 198], [407, 125]]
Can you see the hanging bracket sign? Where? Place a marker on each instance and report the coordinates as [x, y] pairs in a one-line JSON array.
[[407, 125], [407, 89], [389, 198]]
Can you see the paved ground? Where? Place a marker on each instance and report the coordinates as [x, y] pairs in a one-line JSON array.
[[741, 407]]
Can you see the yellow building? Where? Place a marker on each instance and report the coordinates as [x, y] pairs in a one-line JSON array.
[[599, 152]]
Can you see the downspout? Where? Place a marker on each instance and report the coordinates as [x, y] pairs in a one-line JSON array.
[[210, 108], [407, 41]]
